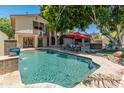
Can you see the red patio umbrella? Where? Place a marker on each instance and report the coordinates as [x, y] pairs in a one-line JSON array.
[[77, 35]]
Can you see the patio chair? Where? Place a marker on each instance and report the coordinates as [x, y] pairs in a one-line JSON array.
[[63, 46], [77, 48], [90, 51], [72, 47]]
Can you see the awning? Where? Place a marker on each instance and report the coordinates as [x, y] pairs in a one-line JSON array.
[[77, 35]]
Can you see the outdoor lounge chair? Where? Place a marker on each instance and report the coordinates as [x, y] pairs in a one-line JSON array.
[[90, 51], [77, 48]]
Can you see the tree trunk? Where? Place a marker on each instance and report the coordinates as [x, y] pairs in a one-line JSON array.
[[55, 34], [119, 36], [112, 40], [58, 38]]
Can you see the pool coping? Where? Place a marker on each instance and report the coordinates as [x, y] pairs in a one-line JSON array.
[[73, 54], [89, 56], [106, 68], [8, 57]]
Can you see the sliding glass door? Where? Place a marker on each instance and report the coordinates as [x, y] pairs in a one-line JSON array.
[[28, 42]]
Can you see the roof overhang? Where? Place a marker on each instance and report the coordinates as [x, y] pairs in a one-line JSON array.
[[13, 18]]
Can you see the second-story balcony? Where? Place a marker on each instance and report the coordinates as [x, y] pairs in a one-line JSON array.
[[36, 31], [39, 32]]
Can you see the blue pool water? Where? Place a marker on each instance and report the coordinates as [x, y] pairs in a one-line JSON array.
[[38, 66]]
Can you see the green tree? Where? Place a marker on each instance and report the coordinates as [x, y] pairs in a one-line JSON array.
[[64, 18], [109, 19], [5, 26]]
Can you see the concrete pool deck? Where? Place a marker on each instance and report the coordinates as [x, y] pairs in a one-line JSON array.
[[107, 70]]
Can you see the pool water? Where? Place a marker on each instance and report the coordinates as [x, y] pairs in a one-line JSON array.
[[39, 66]]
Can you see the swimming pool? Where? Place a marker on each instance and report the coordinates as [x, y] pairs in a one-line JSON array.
[[46, 65]]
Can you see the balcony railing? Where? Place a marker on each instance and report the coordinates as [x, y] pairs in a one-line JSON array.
[[39, 32], [45, 33], [36, 31]]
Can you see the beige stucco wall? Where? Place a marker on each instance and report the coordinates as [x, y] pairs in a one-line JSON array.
[[19, 38], [2, 38], [67, 41], [44, 41], [24, 28], [24, 24]]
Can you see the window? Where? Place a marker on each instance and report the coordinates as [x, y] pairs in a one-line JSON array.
[[38, 25], [35, 25], [41, 26], [28, 42]]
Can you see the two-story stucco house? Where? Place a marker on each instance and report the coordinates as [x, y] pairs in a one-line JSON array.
[[31, 31]]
